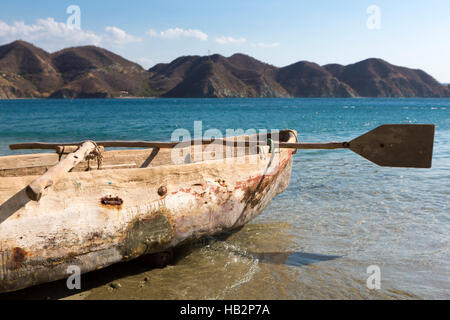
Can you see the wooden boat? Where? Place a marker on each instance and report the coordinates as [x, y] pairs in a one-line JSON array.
[[138, 203], [60, 210]]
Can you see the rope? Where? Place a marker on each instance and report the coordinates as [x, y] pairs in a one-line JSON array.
[[272, 145], [61, 153], [97, 153]]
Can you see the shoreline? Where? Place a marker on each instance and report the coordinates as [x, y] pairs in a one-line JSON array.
[[222, 98]]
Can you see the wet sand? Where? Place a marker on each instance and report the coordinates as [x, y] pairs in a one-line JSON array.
[[256, 262]]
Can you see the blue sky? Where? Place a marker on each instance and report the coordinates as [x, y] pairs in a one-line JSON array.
[[412, 33]]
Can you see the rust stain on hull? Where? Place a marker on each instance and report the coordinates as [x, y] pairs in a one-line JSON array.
[[256, 188], [111, 202], [18, 256]]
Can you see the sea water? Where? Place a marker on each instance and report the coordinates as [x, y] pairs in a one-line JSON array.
[[340, 217]]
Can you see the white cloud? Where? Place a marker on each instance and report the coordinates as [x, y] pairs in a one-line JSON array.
[[120, 37], [53, 35], [173, 33], [47, 30], [266, 45], [230, 40]]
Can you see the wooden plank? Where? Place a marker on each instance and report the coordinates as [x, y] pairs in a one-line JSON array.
[[35, 189]]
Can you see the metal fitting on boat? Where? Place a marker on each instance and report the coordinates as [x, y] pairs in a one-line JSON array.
[[162, 191]]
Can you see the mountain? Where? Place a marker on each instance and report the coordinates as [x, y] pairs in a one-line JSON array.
[[243, 76], [307, 79], [92, 72], [82, 72], [216, 76], [378, 78], [26, 71]]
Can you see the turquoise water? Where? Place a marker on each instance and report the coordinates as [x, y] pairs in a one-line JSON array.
[[338, 204]]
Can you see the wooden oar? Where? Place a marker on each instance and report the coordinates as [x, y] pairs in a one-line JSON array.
[[35, 189], [389, 145], [392, 145]]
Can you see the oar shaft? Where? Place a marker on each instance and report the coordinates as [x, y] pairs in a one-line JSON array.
[[329, 145], [172, 144]]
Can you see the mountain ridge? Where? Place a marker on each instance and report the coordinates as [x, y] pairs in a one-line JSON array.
[[27, 71]]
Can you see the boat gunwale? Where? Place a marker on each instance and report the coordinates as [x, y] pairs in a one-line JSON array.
[[287, 134]]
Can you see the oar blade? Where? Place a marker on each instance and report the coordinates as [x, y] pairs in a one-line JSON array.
[[397, 145]]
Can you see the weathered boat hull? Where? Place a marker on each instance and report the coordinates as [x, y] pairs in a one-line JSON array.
[[96, 218]]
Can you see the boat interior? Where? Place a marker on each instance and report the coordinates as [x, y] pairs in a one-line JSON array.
[[39, 163]]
